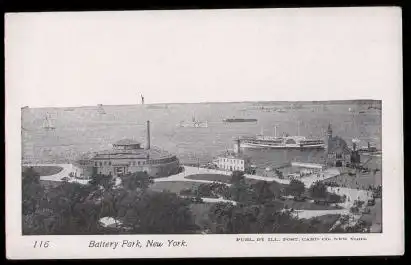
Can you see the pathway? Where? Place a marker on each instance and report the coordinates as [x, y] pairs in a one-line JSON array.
[[307, 214]]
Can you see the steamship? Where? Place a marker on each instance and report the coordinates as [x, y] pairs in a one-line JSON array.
[[281, 142], [284, 142]]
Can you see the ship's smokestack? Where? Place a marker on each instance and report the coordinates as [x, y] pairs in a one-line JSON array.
[[148, 136], [354, 146]]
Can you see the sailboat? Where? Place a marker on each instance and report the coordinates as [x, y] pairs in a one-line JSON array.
[[100, 109], [47, 123]]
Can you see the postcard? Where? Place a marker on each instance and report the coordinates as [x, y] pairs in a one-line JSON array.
[[204, 133]]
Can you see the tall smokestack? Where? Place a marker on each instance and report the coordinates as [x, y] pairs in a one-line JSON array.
[[237, 149], [148, 136]]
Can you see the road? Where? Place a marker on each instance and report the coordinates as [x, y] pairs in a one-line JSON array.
[[307, 214]]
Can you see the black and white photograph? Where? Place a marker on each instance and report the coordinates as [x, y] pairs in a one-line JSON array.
[[258, 167], [249, 129]]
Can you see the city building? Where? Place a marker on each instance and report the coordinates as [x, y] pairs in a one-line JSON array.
[[338, 154], [234, 160], [128, 156]]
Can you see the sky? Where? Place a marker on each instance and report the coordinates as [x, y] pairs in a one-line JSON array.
[[89, 58]]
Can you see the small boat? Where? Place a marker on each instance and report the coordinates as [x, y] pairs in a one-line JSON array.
[[47, 123], [231, 120], [69, 109], [100, 109]]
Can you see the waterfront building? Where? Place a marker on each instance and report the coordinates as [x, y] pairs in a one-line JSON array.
[[128, 156], [234, 160], [338, 154]]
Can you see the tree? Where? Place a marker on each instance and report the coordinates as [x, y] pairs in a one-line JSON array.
[[160, 213], [64, 209], [99, 180], [241, 192], [318, 190], [204, 190], [220, 217], [263, 192], [137, 180], [221, 190], [354, 210], [237, 177], [32, 191], [377, 192], [296, 187], [334, 198]]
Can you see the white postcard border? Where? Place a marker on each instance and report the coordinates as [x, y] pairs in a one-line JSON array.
[[389, 242]]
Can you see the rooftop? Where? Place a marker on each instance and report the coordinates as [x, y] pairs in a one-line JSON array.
[[231, 154], [126, 142], [152, 153]]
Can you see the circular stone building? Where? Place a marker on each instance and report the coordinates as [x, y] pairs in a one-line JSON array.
[[128, 156]]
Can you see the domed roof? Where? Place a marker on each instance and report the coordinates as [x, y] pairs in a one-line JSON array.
[[126, 142]]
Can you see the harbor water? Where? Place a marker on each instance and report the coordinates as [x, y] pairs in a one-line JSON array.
[[86, 129]]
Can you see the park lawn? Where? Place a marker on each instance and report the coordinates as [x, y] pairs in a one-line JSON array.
[[49, 184], [211, 177], [326, 222], [174, 186], [306, 205], [46, 170], [360, 181], [374, 217]]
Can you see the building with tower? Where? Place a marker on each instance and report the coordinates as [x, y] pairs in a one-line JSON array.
[[337, 152]]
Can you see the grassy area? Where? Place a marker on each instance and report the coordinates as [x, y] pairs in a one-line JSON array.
[[325, 222], [358, 181], [374, 217], [48, 184], [174, 186], [46, 170], [211, 177]]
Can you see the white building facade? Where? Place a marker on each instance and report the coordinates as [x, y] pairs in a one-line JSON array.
[[233, 161]]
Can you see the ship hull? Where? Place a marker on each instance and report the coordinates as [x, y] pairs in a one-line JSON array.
[[239, 120], [281, 146]]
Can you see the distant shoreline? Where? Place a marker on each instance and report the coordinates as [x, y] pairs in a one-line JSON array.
[[313, 102]]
